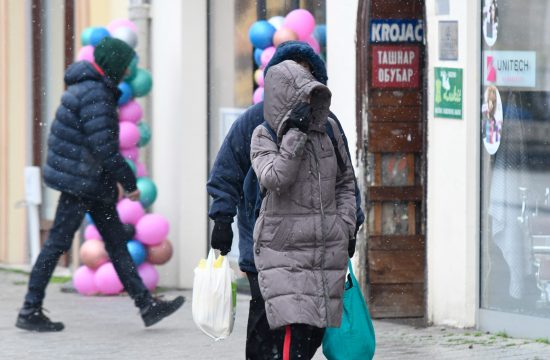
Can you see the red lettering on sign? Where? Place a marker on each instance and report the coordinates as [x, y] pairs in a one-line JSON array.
[[395, 66]]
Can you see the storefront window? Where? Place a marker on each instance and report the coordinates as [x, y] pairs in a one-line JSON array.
[[515, 157]]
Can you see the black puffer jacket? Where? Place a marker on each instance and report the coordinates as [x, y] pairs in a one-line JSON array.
[[83, 146]]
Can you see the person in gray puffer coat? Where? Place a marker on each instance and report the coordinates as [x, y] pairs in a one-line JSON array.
[[308, 213]]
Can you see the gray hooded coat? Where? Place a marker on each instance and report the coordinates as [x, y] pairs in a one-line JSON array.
[[308, 213]]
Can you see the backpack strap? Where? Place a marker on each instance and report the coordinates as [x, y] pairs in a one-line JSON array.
[[270, 131], [331, 134]]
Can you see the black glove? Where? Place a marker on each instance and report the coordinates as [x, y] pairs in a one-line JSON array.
[[300, 117], [129, 231], [222, 237], [352, 243]]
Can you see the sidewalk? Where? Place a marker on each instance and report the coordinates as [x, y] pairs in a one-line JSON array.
[[110, 328]]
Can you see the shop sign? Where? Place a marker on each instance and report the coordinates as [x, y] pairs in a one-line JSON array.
[[448, 93], [510, 68], [448, 40], [396, 31], [395, 66]]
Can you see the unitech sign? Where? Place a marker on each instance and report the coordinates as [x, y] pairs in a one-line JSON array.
[[510, 68]]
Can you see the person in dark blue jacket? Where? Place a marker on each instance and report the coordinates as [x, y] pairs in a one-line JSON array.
[[84, 164], [234, 189]]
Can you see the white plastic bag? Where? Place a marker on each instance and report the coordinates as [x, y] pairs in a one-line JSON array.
[[214, 296]]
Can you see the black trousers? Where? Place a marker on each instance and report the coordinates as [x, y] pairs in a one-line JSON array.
[[262, 343], [69, 215]]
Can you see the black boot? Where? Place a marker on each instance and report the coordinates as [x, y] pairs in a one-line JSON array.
[[35, 320], [158, 309]]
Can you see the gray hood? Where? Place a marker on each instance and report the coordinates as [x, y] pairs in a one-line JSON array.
[[287, 84]]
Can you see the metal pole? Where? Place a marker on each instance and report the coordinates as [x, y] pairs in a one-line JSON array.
[[261, 9], [139, 14]]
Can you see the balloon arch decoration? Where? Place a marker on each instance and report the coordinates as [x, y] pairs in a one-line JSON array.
[[266, 35], [150, 245]]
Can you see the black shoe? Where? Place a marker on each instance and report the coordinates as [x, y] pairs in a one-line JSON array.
[[158, 309], [35, 320]]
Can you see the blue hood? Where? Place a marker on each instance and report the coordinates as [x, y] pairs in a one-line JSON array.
[[300, 51]]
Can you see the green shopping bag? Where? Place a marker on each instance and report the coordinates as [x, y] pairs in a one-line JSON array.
[[354, 339]]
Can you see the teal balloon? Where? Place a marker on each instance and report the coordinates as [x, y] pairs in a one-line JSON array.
[[142, 83], [85, 36], [148, 191], [145, 133], [132, 165], [132, 69]]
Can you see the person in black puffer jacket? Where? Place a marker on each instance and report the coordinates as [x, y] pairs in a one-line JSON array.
[[84, 164]]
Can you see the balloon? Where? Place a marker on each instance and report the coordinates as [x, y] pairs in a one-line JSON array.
[[313, 43], [301, 22], [93, 253], [89, 219], [97, 35], [141, 83], [141, 170], [267, 55], [320, 34], [276, 21], [148, 191], [258, 95], [282, 35], [126, 93], [144, 133], [130, 212], [117, 23], [85, 36], [132, 166], [152, 229], [261, 34], [91, 233], [127, 35], [131, 153], [106, 280], [83, 281], [130, 112], [161, 253], [259, 77], [258, 56], [132, 69], [86, 53], [137, 252], [128, 135], [149, 275]]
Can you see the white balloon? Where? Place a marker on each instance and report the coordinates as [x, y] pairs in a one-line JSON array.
[[276, 21], [127, 35]]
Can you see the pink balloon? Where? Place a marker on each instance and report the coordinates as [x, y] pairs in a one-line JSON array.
[[267, 54], [152, 229], [91, 233], [258, 95], [130, 212], [128, 135], [86, 53], [301, 22], [131, 153], [106, 280], [83, 281], [131, 112], [93, 253], [117, 23], [259, 77], [313, 43], [149, 275], [141, 170]]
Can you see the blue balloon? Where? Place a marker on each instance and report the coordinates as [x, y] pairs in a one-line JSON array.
[[258, 57], [261, 34], [320, 34], [137, 252], [97, 35], [126, 91], [89, 219]]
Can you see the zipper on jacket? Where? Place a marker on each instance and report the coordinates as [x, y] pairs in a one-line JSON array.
[[323, 220]]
